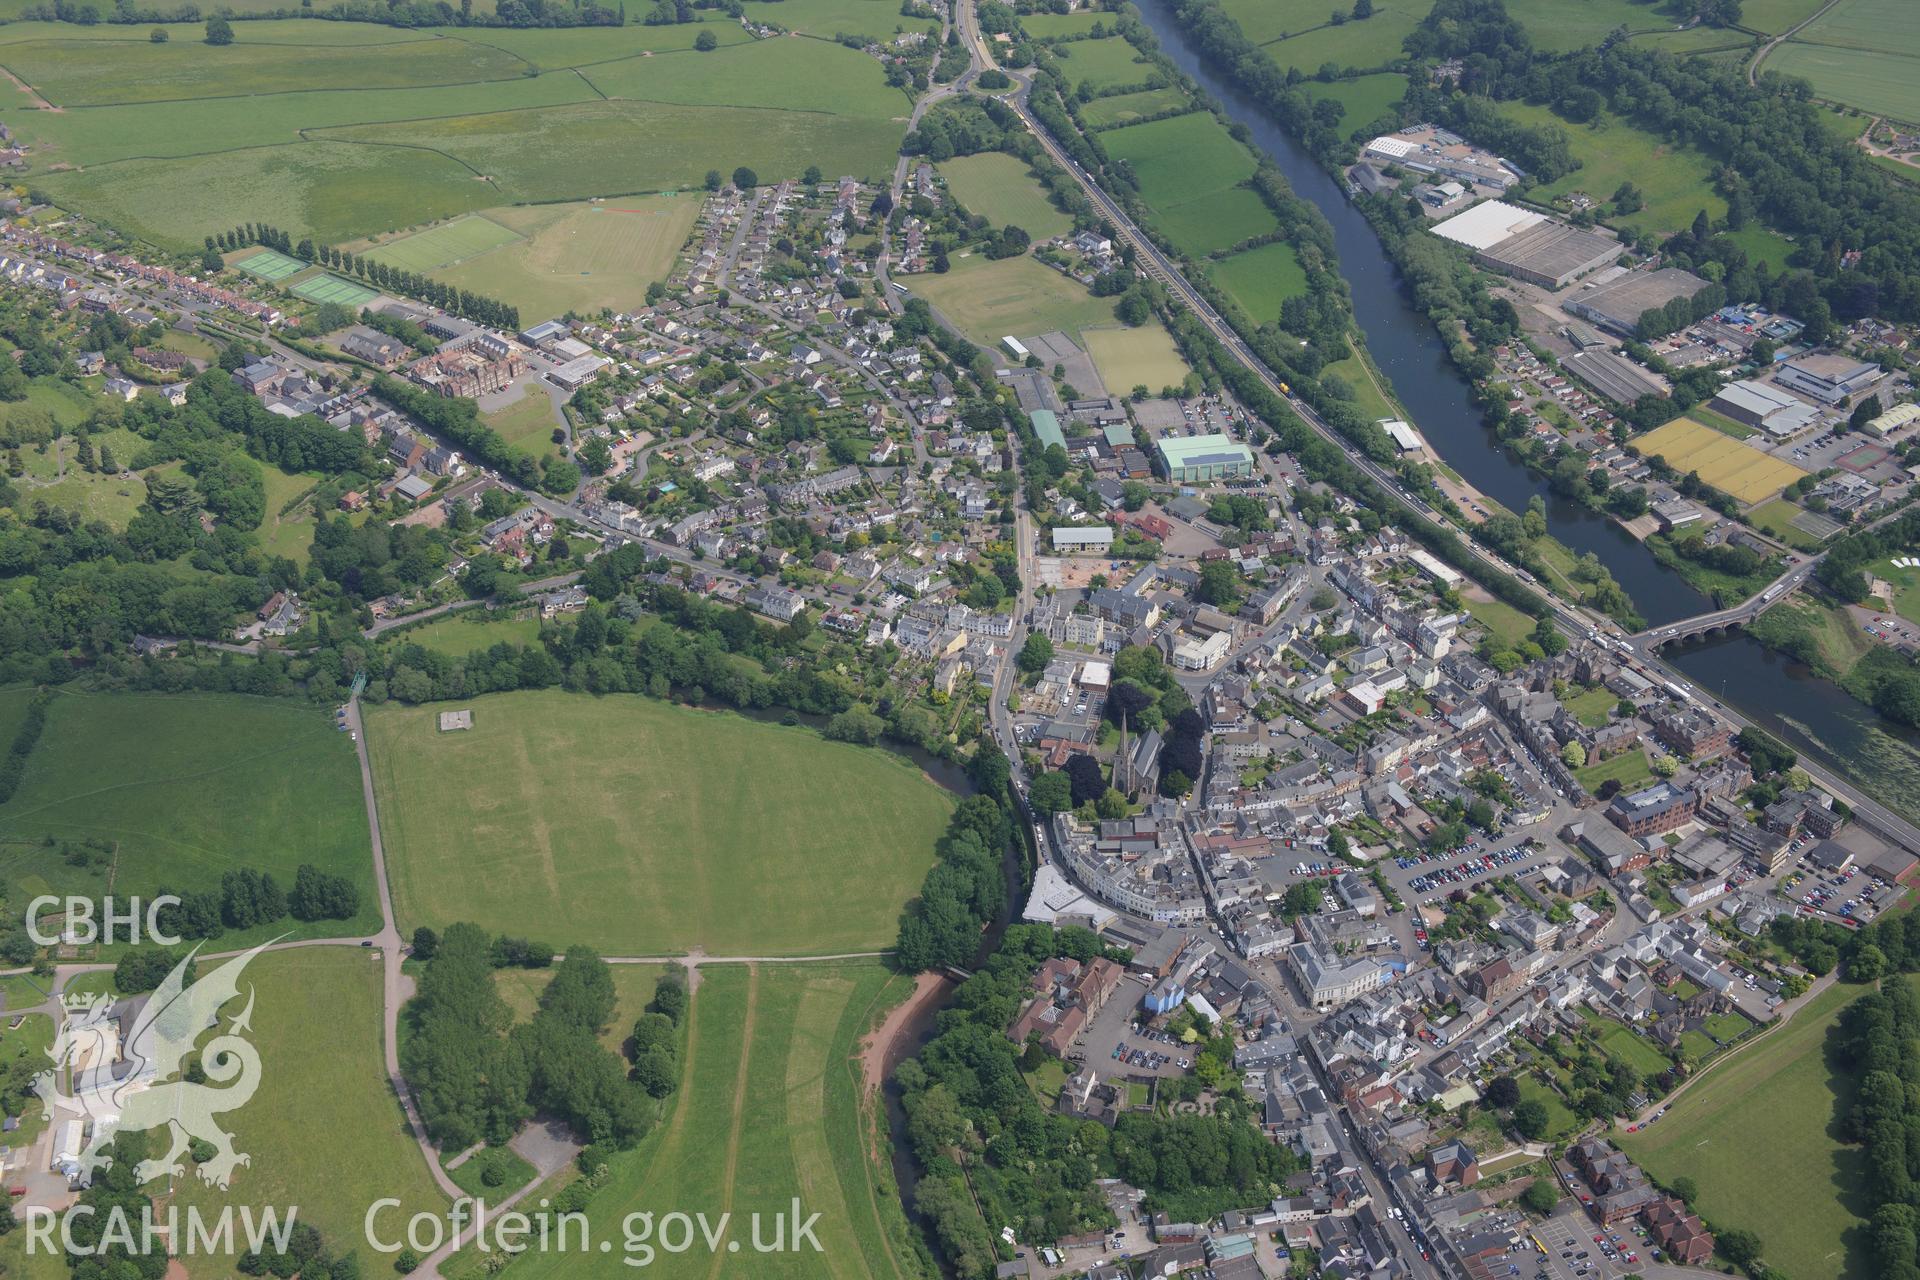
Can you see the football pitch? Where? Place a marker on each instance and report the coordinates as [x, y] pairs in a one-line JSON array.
[[1727, 464], [444, 245], [644, 828]]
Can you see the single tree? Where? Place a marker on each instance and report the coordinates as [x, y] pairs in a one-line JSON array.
[[219, 30]]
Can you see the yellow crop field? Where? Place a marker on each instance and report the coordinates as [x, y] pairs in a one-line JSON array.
[[1729, 465]]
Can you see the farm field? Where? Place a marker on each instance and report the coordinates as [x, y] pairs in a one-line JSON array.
[[998, 187], [187, 788], [1129, 357], [876, 19], [325, 1131], [582, 256], [769, 1107], [1375, 42], [1877, 80], [438, 126], [1775, 16], [1048, 26], [1125, 108], [1366, 98], [1757, 1136], [1675, 180], [1260, 279], [1104, 64], [988, 300], [1723, 462], [628, 824]]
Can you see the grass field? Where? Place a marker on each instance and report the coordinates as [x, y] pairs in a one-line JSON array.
[[876, 19], [637, 827], [1502, 619], [1261, 279], [289, 534], [460, 634], [1723, 462], [1629, 768], [528, 423], [1721, 422], [442, 245], [342, 130], [1104, 64], [325, 1131], [1366, 98], [1129, 357], [1376, 42], [1676, 181], [1632, 1048], [1189, 170], [769, 1107], [1775, 16], [1124, 108], [188, 788], [988, 300], [1594, 707], [1776, 518], [1048, 26], [91, 495], [998, 187], [1877, 80], [1561, 1121], [1757, 1134], [1905, 584]]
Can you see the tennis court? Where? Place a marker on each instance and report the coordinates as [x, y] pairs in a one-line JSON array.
[[1729, 465], [326, 288], [270, 264]]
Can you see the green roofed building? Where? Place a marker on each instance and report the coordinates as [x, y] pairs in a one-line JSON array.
[[1199, 459], [1046, 425], [1119, 434]]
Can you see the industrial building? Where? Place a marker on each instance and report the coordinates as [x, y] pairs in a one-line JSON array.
[[1046, 425], [1763, 405], [1618, 305], [1614, 376], [1827, 378], [1528, 246], [1430, 150], [1901, 415], [1202, 459]]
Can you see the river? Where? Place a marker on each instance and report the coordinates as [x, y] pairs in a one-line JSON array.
[[1815, 715]]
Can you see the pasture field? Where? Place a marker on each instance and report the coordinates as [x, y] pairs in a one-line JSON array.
[[1105, 64], [1189, 170], [461, 633], [875, 19], [326, 287], [269, 264], [528, 422], [1775, 16], [1875, 80], [324, 1130], [1562, 25], [1757, 1134], [1366, 98], [1260, 279], [1049, 26], [187, 788], [1125, 108], [770, 1106], [1875, 25], [1629, 768], [1375, 42], [581, 256], [1723, 462], [443, 245], [1127, 357], [629, 824], [988, 300], [435, 126], [999, 187], [1675, 180], [91, 73]]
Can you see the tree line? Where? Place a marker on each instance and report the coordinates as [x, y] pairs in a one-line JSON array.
[[461, 302]]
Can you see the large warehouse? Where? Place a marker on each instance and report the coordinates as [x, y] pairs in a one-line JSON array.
[[1618, 305], [1614, 376], [1199, 459], [1528, 246]]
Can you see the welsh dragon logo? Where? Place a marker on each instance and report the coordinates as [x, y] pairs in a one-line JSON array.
[[130, 1079]]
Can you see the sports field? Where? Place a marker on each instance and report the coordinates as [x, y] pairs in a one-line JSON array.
[[1131, 357], [187, 788], [270, 264], [645, 828], [324, 1130], [998, 187], [1261, 279], [331, 288], [1189, 170], [988, 300], [1757, 1135], [1729, 465], [770, 1107], [443, 245], [341, 130]]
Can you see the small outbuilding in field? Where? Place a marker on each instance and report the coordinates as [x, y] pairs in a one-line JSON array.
[[452, 720]]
